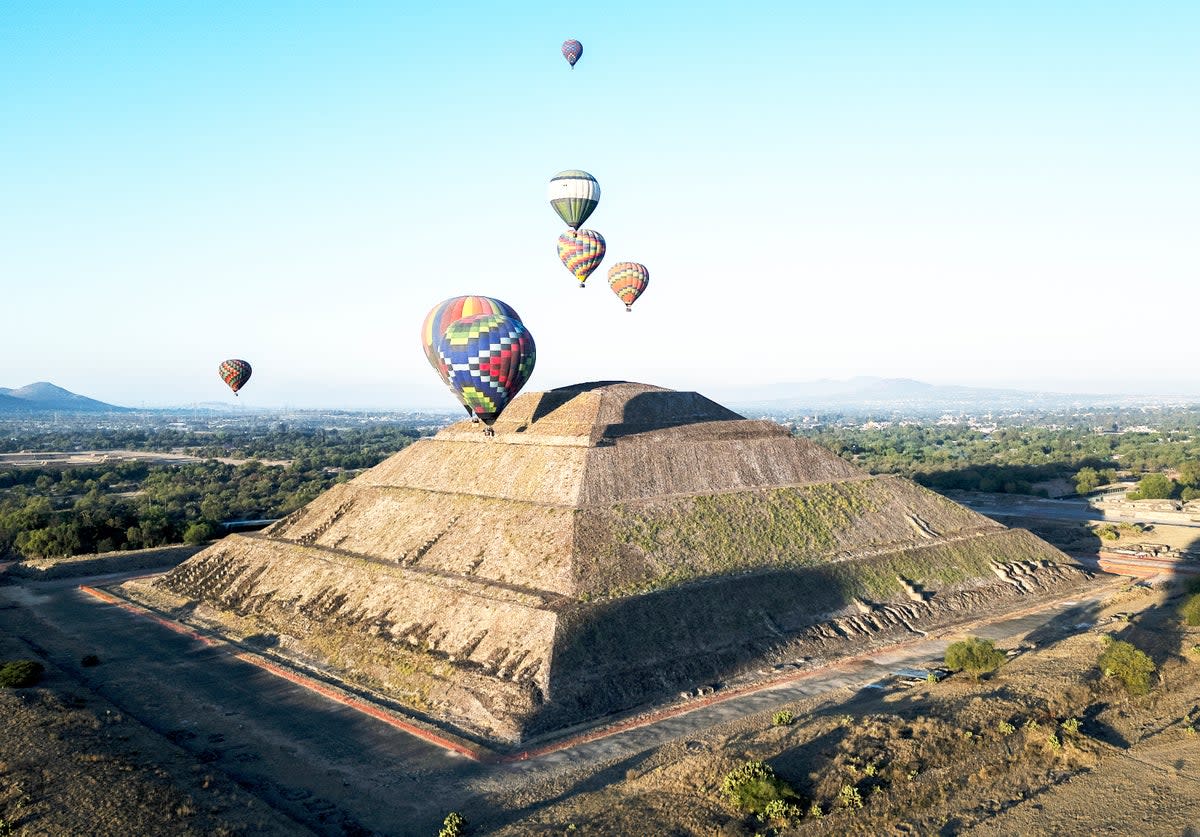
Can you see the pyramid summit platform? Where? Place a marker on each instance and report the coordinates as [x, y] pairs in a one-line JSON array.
[[611, 545]]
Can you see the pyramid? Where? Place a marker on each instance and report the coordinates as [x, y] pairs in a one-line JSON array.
[[611, 544]]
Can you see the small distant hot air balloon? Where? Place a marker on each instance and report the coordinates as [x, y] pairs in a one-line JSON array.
[[574, 194], [628, 280], [489, 358], [235, 373], [572, 50], [581, 251], [455, 308]]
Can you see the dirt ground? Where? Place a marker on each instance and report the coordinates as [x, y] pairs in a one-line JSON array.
[[1080, 537], [72, 764], [956, 757]]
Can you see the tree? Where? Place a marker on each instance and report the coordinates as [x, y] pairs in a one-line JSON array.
[[1087, 480], [199, 532], [1189, 473], [1155, 487], [975, 656]]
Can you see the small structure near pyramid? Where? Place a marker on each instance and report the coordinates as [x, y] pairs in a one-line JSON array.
[[611, 545]]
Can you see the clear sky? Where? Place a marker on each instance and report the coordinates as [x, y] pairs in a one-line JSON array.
[[975, 193]]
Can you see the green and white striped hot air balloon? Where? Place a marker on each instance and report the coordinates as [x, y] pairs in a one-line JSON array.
[[574, 194]]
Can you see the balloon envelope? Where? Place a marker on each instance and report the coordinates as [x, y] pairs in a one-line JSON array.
[[489, 358], [581, 251], [572, 50], [574, 195], [235, 373], [455, 308], [628, 280]]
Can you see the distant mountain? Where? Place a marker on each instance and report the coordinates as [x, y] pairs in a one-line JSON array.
[[46, 397], [906, 394]]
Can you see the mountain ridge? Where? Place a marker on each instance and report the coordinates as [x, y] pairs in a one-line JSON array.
[[43, 396]]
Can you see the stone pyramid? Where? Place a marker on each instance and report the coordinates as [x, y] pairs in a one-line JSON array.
[[610, 545]]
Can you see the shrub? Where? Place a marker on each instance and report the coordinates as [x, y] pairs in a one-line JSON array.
[[1006, 728], [753, 785], [782, 718], [1190, 610], [975, 656], [1129, 665], [1071, 726], [849, 797], [200, 532], [453, 826], [777, 809], [18, 674]]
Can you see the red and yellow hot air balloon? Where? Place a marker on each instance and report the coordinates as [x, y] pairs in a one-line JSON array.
[[235, 373], [448, 311], [581, 251], [628, 280]]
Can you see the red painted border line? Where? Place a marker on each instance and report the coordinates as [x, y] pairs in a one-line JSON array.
[[108, 598], [326, 691], [362, 706]]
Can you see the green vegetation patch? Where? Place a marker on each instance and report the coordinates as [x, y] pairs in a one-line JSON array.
[[1127, 664], [975, 656], [1189, 611], [754, 788], [793, 525], [17, 674]]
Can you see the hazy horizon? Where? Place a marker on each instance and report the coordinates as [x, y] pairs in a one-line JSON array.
[[955, 194], [435, 399]]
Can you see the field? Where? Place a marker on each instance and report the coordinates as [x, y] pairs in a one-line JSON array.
[[999, 757]]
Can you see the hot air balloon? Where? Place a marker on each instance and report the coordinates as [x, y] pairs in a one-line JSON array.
[[572, 50], [581, 251], [455, 308], [628, 280], [489, 358], [235, 373], [574, 194]]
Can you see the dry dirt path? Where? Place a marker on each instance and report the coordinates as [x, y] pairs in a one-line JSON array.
[[334, 769]]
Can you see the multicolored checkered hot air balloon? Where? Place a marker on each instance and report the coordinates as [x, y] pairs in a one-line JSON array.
[[235, 373], [489, 358], [455, 308], [628, 280], [574, 195], [581, 251], [572, 50]]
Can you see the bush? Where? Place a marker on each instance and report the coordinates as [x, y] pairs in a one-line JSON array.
[[1190, 610], [200, 532], [975, 656], [18, 674], [453, 826], [753, 785], [782, 718], [1129, 665], [849, 797]]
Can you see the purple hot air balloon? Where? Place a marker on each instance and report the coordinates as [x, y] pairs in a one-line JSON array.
[[572, 50]]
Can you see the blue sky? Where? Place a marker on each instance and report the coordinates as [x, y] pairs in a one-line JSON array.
[[982, 193]]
